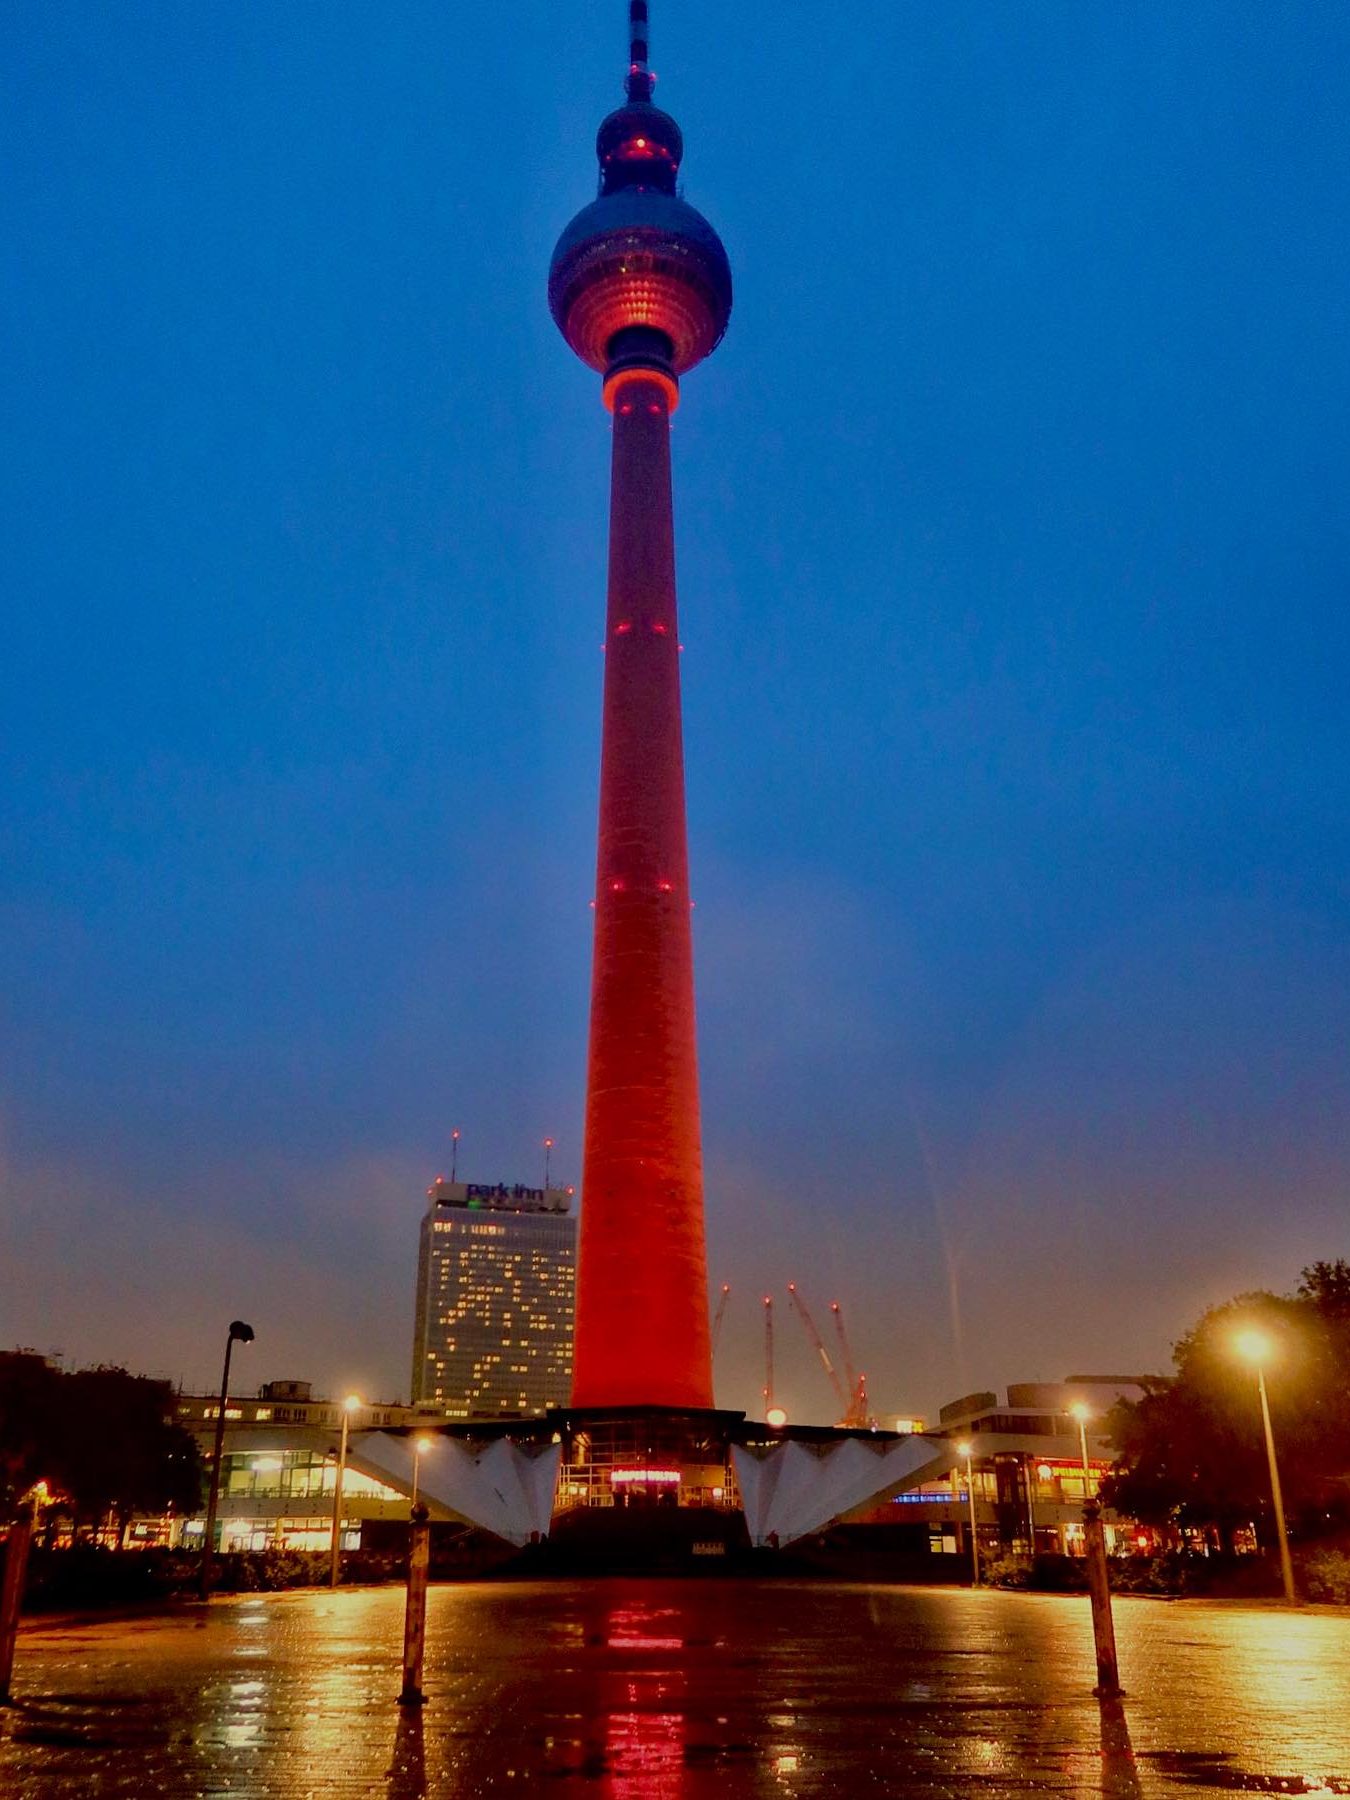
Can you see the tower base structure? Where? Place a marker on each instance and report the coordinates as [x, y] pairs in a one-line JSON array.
[[644, 1488]]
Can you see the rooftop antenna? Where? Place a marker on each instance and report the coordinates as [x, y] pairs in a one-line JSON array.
[[454, 1154], [548, 1154], [640, 81]]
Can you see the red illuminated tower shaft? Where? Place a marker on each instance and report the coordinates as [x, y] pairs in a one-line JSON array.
[[641, 289], [642, 1307]]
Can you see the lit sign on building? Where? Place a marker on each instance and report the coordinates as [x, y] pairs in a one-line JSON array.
[[645, 1477], [500, 1197]]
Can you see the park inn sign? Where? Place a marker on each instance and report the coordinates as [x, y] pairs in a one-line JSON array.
[[500, 1196]]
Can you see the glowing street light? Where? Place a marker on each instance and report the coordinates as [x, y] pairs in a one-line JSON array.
[[1256, 1349], [775, 1418], [349, 1406], [420, 1447], [1080, 1410], [967, 1450]]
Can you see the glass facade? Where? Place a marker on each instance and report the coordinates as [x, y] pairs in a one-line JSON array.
[[293, 1475], [675, 1461]]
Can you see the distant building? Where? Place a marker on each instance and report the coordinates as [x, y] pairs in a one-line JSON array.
[[1026, 1462], [496, 1291], [278, 1473]]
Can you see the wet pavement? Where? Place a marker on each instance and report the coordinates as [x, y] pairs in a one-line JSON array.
[[646, 1690]]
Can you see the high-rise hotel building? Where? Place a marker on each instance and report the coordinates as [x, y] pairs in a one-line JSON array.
[[496, 1289]]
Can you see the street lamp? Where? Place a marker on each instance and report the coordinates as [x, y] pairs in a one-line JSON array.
[[349, 1406], [239, 1333], [1256, 1349], [967, 1451], [1080, 1410], [420, 1447], [1029, 1475]]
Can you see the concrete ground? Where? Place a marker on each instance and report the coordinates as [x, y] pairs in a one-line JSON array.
[[646, 1690]]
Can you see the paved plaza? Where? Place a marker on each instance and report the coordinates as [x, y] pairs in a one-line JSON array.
[[647, 1690]]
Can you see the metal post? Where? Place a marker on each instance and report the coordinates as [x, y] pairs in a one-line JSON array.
[[243, 1334], [335, 1545], [1286, 1565], [415, 1609], [1099, 1587], [1029, 1473], [974, 1532], [11, 1591]]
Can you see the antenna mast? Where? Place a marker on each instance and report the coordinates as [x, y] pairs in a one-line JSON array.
[[640, 80]]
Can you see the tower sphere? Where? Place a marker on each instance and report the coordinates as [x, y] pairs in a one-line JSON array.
[[639, 256]]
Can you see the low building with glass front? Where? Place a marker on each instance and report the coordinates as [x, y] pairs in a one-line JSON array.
[[1025, 1461], [278, 1472]]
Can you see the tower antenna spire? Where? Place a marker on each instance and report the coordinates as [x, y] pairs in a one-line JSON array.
[[640, 81]]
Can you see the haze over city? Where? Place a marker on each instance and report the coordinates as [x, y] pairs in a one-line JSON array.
[[1013, 554]]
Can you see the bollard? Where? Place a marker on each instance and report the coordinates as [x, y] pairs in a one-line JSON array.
[[1099, 1587], [11, 1593], [415, 1610]]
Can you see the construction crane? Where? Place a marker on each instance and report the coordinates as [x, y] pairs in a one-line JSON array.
[[803, 1313], [856, 1412], [717, 1316], [768, 1355]]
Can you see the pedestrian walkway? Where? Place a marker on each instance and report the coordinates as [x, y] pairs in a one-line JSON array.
[[632, 1690]]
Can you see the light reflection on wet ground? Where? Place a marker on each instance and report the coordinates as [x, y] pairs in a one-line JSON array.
[[630, 1690]]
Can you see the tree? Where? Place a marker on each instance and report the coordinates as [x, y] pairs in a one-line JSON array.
[[1191, 1451], [27, 1402], [105, 1441], [120, 1451], [1327, 1286]]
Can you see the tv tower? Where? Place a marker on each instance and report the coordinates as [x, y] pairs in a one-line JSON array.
[[640, 287]]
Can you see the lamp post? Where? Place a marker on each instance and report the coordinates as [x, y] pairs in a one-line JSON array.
[[349, 1406], [967, 1451], [1256, 1349], [1082, 1412], [239, 1333], [1029, 1474], [420, 1447]]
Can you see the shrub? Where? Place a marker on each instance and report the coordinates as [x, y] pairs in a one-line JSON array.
[[1326, 1577], [1006, 1572]]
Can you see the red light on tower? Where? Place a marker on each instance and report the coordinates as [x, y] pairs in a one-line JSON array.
[[641, 289]]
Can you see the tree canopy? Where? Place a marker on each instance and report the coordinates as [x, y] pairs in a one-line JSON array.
[[1192, 1451], [104, 1441]]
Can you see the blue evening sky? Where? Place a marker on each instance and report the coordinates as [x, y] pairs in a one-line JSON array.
[[1014, 555]]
